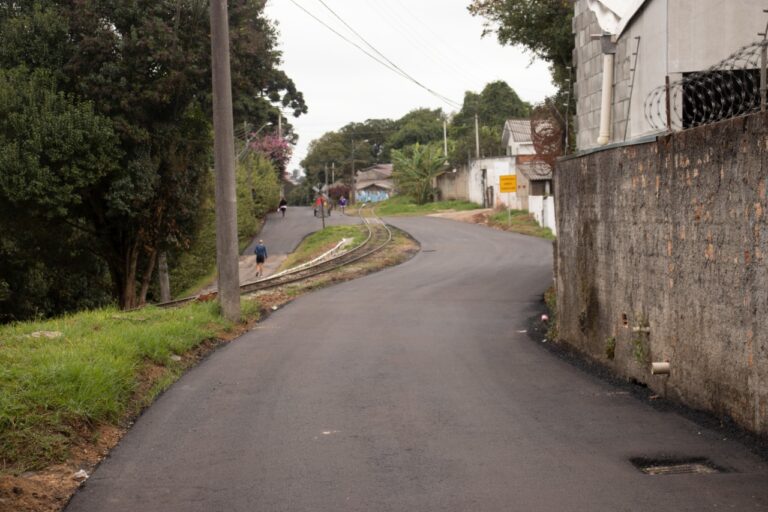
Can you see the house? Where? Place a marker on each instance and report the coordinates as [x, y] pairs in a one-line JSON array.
[[485, 173], [627, 49], [374, 183]]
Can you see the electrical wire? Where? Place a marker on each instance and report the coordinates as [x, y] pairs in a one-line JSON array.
[[386, 62]]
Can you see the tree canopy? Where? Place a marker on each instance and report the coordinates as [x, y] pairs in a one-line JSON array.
[[126, 88]]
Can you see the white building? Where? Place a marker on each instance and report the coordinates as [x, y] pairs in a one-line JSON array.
[[627, 48]]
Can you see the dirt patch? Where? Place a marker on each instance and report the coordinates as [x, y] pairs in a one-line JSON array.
[[471, 216], [50, 489]]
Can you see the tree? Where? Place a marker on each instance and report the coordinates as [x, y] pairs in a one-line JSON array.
[[496, 103], [541, 26], [416, 169], [145, 66]]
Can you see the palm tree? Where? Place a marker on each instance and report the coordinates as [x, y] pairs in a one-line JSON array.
[[416, 169]]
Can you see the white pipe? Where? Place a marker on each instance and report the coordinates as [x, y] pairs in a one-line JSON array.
[[660, 368], [607, 96]]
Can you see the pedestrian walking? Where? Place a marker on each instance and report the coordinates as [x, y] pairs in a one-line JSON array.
[[261, 256], [283, 206], [342, 203], [318, 205]]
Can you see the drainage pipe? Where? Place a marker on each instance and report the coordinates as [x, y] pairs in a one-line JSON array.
[[609, 53]]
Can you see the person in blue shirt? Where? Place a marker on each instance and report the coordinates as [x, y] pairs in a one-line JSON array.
[[261, 256]]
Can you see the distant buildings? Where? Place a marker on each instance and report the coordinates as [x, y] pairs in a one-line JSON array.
[[374, 183]]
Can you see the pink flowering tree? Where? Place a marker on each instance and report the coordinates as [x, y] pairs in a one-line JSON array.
[[276, 149]]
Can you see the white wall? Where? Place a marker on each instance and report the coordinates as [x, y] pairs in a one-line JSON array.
[[543, 209], [495, 167]]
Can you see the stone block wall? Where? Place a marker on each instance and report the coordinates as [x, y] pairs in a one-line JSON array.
[[661, 256]]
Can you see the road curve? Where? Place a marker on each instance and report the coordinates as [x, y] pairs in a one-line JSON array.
[[412, 390]]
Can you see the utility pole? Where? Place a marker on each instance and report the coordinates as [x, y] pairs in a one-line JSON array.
[[477, 137], [333, 173], [353, 192], [280, 125], [445, 138], [224, 164]]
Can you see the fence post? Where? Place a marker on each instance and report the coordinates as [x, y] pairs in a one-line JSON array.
[[763, 85]]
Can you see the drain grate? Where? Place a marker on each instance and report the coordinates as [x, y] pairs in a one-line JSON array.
[[676, 466]]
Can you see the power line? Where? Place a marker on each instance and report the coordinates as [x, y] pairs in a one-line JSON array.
[[438, 95], [393, 68]]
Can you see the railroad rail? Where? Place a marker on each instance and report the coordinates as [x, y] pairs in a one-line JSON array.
[[379, 235]]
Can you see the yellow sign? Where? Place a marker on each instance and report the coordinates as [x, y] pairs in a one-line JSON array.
[[508, 183]]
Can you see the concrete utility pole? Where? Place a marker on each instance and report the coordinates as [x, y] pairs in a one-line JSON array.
[[280, 125], [224, 162], [445, 138], [477, 137]]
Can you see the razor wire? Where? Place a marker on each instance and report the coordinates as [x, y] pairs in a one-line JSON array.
[[727, 89]]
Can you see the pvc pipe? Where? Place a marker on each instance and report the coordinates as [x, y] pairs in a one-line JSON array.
[[607, 96], [660, 368]]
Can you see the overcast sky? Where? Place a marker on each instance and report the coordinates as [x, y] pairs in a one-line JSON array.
[[437, 42]]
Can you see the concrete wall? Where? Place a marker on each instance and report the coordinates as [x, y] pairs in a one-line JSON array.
[[675, 36], [543, 209], [494, 167], [672, 236], [454, 185]]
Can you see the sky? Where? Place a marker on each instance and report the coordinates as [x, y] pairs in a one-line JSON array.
[[437, 42]]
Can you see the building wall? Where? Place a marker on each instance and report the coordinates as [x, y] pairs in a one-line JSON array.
[[495, 167], [672, 236], [543, 210], [454, 185], [675, 37]]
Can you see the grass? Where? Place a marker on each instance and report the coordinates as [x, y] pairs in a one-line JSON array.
[[322, 241], [404, 205], [521, 222], [51, 389]]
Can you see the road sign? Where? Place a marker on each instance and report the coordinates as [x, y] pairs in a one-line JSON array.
[[508, 183]]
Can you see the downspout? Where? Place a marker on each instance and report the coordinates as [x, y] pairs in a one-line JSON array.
[[609, 54]]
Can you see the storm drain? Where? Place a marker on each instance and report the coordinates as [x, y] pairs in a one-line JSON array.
[[677, 466]]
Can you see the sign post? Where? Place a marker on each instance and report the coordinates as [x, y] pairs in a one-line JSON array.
[[508, 184]]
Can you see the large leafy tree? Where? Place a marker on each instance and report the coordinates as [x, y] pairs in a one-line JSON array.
[[541, 26], [144, 65], [496, 103]]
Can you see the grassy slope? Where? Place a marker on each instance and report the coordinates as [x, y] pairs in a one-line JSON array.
[[521, 222], [322, 241], [403, 205], [50, 388]]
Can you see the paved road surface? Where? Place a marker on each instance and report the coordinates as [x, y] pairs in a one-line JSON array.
[[281, 235], [411, 390]]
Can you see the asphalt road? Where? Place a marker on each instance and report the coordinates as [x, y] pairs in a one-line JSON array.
[[281, 236], [412, 390]]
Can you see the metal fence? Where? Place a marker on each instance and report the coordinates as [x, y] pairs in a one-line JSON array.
[[735, 86]]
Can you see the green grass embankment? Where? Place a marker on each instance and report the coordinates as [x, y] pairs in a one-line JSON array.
[[322, 241], [403, 205], [61, 378], [519, 221]]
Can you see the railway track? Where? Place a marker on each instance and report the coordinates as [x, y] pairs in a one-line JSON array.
[[379, 235]]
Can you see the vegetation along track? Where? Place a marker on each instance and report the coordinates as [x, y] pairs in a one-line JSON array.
[[379, 235]]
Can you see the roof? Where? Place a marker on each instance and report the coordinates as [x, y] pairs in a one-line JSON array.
[[613, 16], [518, 129], [376, 172], [381, 184], [535, 170]]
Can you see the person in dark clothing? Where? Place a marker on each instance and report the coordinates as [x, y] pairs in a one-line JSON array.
[[261, 256], [283, 206]]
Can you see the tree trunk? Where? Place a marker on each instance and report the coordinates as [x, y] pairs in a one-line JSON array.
[[164, 277], [127, 284], [147, 277]]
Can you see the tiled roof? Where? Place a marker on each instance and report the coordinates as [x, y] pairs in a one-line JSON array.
[[536, 170], [375, 172], [519, 129]]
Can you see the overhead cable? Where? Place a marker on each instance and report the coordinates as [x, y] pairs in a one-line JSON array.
[[386, 62]]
